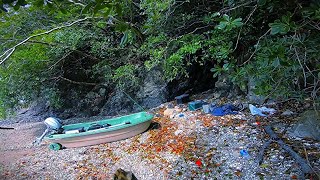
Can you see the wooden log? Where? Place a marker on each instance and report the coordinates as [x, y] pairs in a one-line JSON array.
[[261, 152], [302, 162], [6, 128]]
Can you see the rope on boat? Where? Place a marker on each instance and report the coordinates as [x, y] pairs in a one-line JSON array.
[[133, 100]]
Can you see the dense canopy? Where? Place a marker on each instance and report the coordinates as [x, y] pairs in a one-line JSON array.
[[57, 49]]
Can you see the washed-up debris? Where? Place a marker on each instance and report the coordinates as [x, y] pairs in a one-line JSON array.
[[6, 128], [302, 162], [180, 144], [199, 163], [195, 105], [259, 111], [206, 108], [224, 110], [287, 113], [184, 98], [244, 153]]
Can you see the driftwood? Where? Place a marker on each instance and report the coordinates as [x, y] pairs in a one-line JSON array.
[[6, 128], [274, 138], [261, 152]]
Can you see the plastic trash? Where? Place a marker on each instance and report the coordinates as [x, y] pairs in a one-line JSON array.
[[268, 110], [199, 163], [259, 111], [206, 108], [244, 153], [184, 98], [224, 110], [195, 105], [255, 111]]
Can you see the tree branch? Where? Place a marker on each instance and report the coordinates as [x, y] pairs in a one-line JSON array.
[[255, 8], [236, 7], [79, 83], [254, 52], [9, 52]]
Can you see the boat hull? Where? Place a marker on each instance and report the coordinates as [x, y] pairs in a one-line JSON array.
[[103, 131], [103, 137]]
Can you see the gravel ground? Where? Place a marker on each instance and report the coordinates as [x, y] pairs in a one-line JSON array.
[[187, 145]]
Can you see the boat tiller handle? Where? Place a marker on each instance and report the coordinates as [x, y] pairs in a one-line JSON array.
[[39, 139]]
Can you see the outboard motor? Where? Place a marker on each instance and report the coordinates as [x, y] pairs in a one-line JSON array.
[[53, 125]]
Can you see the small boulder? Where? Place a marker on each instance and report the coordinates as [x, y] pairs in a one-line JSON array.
[[171, 112], [308, 126]]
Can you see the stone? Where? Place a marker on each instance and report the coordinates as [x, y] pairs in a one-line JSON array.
[[168, 112], [177, 132], [308, 126], [171, 111]]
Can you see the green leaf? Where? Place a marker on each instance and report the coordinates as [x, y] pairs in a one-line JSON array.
[[276, 62], [216, 74], [16, 7], [122, 26], [222, 25], [124, 39], [226, 17], [63, 10], [261, 2], [237, 22], [118, 9], [86, 8], [39, 3], [21, 3], [216, 14], [279, 28]]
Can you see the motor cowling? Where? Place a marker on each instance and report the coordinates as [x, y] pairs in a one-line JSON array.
[[53, 123]]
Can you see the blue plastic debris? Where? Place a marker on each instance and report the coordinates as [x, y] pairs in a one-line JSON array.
[[244, 153], [224, 110]]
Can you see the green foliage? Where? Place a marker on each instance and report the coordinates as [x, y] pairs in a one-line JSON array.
[[157, 13], [271, 42], [282, 26], [125, 76], [228, 23]]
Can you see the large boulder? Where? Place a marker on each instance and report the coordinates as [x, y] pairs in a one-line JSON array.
[[117, 104], [308, 126], [154, 91], [151, 93]]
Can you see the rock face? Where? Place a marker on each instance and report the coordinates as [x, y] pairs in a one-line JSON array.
[[36, 112], [225, 88], [152, 93], [308, 126], [117, 104], [252, 97]]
